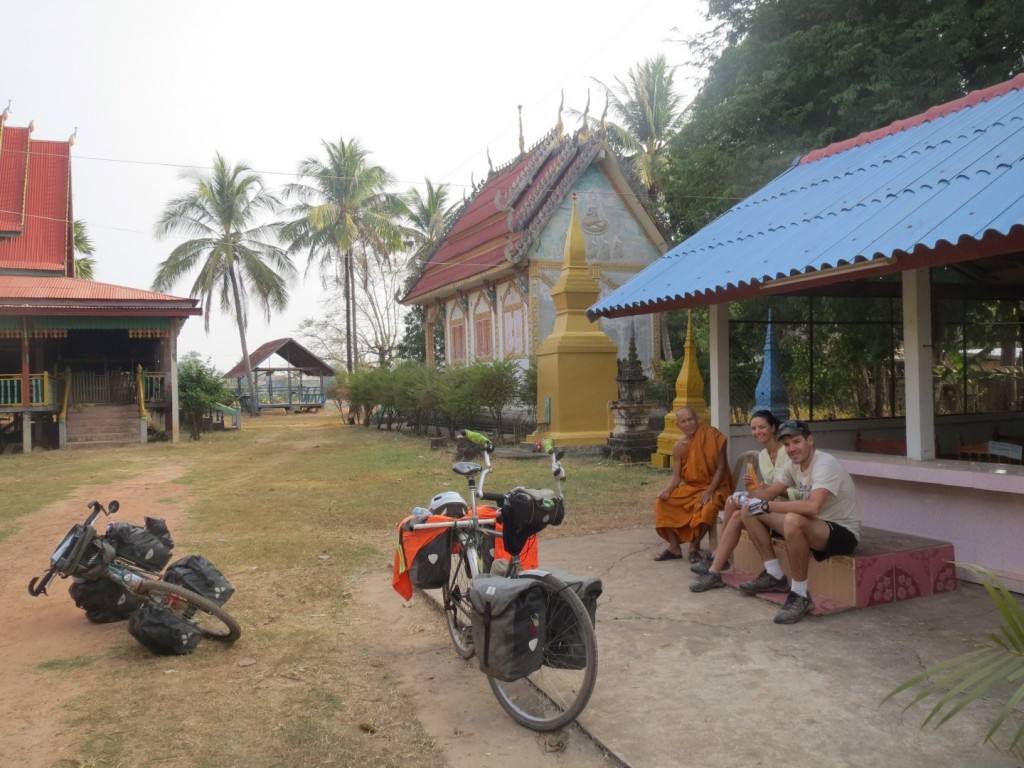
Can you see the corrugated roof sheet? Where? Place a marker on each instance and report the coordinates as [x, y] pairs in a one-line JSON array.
[[21, 294], [951, 174], [35, 203]]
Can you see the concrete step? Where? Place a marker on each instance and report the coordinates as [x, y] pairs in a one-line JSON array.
[[886, 567]]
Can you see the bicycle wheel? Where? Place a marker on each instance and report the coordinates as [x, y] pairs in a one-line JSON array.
[[455, 595], [555, 694], [208, 617]]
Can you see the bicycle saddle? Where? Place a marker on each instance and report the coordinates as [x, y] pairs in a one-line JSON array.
[[466, 468]]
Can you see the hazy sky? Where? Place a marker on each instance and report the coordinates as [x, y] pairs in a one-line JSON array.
[[427, 87]]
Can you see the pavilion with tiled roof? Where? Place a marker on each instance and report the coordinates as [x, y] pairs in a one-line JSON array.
[[68, 346], [488, 282]]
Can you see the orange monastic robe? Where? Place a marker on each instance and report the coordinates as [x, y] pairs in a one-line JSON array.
[[683, 511]]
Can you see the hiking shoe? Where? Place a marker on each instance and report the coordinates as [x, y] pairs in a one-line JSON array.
[[707, 581], [765, 583], [794, 609], [700, 568]]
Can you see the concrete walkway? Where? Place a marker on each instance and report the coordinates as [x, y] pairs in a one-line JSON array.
[[708, 679]]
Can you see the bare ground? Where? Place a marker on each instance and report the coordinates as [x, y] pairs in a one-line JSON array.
[[50, 627], [452, 698]]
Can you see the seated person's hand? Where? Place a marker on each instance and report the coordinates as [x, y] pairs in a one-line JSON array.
[[739, 498], [756, 507]]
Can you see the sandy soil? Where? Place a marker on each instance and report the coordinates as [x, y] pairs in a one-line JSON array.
[[36, 630]]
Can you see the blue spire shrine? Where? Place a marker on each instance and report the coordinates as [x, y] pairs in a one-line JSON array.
[[770, 393]]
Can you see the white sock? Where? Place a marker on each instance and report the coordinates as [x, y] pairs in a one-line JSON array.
[[800, 587], [773, 568]]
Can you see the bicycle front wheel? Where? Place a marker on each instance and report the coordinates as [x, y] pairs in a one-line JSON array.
[[208, 617], [557, 693], [458, 612]]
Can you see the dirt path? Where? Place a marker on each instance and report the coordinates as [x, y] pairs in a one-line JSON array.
[[454, 701], [48, 628], [452, 697]]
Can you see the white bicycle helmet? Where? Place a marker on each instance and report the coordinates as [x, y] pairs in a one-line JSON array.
[[449, 503]]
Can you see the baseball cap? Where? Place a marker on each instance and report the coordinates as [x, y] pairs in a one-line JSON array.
[[793, 427]]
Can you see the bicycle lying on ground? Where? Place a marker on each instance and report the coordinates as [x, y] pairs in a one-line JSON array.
[[557, 691], [85, 553]]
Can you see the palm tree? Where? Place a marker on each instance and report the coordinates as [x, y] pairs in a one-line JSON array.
[[85, 265], [647, 112], [345, 204], [234, 258], [429, 217]]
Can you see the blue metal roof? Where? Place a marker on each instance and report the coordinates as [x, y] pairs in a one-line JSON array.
[[952, 174]]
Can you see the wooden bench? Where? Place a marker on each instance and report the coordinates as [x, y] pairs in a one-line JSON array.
[[886, 567]]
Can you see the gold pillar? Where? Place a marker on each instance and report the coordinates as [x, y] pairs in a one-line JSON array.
[[576, 364], [689, 391]]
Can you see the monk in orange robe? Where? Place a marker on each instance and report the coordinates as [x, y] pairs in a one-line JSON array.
[[701, 482]]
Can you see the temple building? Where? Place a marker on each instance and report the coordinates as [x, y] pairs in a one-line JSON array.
[[488, 282]]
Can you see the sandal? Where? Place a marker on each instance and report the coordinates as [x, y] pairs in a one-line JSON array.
[[668, 555], [695, 556]]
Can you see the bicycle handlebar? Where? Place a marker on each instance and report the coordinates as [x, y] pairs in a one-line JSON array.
[[478, 439]]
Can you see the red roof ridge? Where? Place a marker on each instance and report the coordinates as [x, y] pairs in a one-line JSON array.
[[970, 100]]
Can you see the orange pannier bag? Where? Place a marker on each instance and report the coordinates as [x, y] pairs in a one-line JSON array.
[[421, 554], [529, 558]]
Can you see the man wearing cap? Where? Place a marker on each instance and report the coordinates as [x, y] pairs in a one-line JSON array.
[[822, 520]]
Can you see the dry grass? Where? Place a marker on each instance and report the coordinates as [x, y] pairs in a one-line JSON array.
[[295, 510]]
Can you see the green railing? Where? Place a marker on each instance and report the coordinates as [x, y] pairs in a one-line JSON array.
[[38, 387]]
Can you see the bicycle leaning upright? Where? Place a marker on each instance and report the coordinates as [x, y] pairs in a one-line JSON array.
[[546, 681]]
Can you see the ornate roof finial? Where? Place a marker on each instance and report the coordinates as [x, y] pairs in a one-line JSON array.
[[559, 128], [522, 139], [472, 182], [490, 165], [31, 126], [586, 111], [72, 137], [6, 113], [605, 113]]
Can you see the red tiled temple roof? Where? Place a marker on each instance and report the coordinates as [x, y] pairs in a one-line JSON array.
[[36, 218], [504, 215]]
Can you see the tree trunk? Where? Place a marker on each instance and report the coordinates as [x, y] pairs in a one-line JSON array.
[[349, 302], [250, 379]]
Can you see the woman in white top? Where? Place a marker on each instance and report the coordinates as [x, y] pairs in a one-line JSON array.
[[771, 460]]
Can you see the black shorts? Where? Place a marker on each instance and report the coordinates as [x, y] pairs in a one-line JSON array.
[[841, 541]]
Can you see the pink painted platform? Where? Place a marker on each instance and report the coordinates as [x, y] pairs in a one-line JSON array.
[[885, 568]]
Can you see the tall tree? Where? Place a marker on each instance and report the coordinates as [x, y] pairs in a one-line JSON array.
[[236, 259], [430, 215], [85, 265], [343, 203], [789, 76], [646, 113]]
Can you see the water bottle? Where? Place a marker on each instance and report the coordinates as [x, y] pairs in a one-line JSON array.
[[420, 513]]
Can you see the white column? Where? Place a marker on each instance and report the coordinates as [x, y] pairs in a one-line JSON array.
[[917, 345], [720, 402]]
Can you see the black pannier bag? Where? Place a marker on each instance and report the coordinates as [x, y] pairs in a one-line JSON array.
[[137, 545], [509, 622], [162, 632], [158, 528], [198, 574], [564, 643], [102, 600], [533, 508]]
